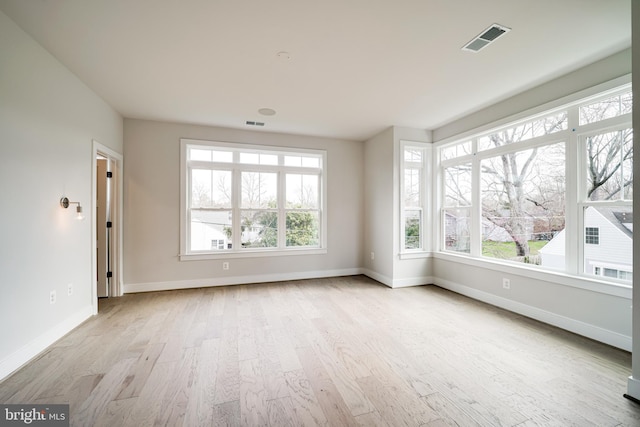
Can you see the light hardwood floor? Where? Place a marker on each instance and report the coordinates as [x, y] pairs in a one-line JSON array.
[[340, 352]]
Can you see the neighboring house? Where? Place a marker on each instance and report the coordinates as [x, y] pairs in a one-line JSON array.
[[608, 244], [456, 232], [207, 231]]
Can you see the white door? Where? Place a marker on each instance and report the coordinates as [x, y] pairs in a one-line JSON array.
[[102, 231]]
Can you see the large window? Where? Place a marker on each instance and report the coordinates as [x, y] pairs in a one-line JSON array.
[[553, 190], [246, 199]]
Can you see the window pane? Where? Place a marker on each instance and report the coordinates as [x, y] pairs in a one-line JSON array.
[[302, 161], [412, 188], [456, 230], [412, 155], [210, 230], [606, 109], [303, 228], [550, 124], [258, 159], [523, 205], [200, 155], [611, 231], [522, 132], [610, 165], [310, 162], [259, 229], [302, 191], [210, 188], [457, 150], [209, 155], [457, 185], [259, 190], [412, 228]]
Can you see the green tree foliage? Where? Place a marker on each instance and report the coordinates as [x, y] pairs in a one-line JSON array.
[[412, 234], [302, 229], [301, 226]]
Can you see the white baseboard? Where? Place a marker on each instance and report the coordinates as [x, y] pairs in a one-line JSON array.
[[413, 281], [581, 328], [236, 280], [24, 354], [398, 283], [633, 388], [385, 280]]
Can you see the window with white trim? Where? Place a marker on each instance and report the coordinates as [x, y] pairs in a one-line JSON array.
[[553, 190], [414, 196], [591, 235], [247, 199]]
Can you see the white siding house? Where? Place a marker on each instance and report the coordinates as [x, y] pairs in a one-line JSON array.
[[607, 246]]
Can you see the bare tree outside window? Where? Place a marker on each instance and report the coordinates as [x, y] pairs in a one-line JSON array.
[[522, 186], [523, 198], [610, 165]]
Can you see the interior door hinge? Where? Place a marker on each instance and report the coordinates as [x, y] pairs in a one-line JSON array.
[[109, 175], [109, 274], [109, 224]]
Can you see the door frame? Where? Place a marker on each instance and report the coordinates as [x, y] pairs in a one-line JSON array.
[[115, 285]]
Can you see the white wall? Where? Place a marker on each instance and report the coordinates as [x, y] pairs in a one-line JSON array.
[[378, 213], [579, 307], [152, 200], [597, 315], [48, 119], [382, 211], [616, 65]]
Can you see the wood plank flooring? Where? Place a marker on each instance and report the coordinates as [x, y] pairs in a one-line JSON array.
[[329, 352]]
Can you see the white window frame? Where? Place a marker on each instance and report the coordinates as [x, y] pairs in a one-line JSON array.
[[237, 168], [574, 198], [425, 167]]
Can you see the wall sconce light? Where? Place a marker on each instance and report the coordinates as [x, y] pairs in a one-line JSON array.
[[64, 202]]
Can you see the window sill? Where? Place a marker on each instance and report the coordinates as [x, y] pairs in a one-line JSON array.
[[415, 255], [251, 254], [557, 277]]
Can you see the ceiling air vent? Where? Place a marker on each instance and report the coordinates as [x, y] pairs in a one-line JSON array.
[[253, 123], [485, 38]]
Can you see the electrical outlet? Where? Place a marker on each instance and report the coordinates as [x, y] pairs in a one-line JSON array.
[[52, 297], [506, 283], [70, 289], [225, 265], [373, 255]]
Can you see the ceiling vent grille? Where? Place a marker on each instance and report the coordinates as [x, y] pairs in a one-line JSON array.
[[486, 37], [253, 123]]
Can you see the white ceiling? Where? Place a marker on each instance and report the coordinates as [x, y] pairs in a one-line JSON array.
[[355, 67]]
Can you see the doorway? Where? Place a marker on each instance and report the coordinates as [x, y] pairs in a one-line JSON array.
[[106, 223]]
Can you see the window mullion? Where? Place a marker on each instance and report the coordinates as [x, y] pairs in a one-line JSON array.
[[236, 200], [575, 192], [426, 199], [476, 205], [282, 216]]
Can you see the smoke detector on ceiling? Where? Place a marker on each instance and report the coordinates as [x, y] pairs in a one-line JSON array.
[[486, 37]]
